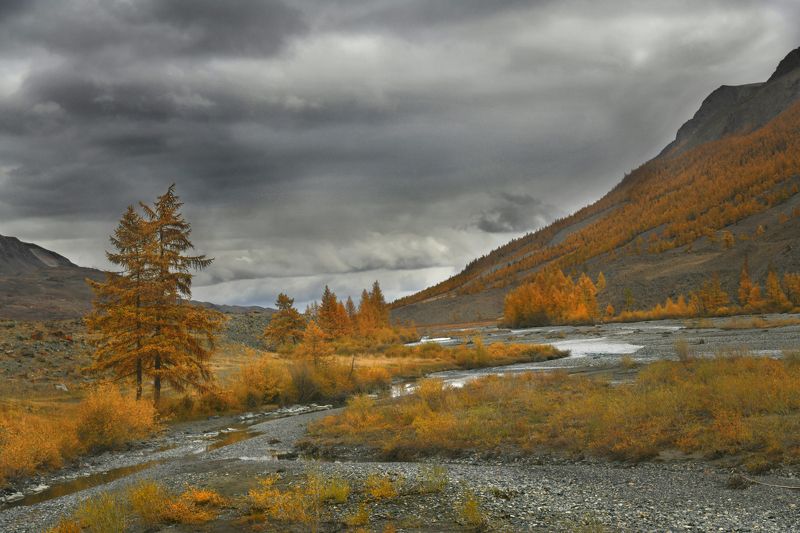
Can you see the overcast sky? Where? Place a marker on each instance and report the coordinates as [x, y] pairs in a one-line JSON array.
[[342, 141]]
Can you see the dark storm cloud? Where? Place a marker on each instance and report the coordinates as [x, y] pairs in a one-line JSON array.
[[162, 28], [341, 141], [516, 213]]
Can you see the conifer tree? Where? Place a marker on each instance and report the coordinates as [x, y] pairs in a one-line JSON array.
[[332, 316], [315, 345], [379, 304], [350, 307], [601, 282], [776, 298], [792, 283], [712, 296], [745, 284], [184, 335], [142, 315], [119, 316], [287, 325]]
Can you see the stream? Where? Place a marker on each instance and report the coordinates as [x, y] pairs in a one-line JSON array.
[[176, 444]]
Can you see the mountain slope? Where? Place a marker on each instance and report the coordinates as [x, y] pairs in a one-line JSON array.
[[39, 284], [733, 167]]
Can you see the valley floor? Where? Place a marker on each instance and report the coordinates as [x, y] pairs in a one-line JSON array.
[[515, 494]]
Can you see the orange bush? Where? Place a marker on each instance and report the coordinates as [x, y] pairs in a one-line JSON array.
[[730, 404], [106, 419]]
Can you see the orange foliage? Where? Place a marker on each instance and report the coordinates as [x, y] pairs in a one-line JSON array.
[[551, 297], [676, 199]]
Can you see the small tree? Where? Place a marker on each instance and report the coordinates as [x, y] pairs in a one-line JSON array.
[[285, 327], [315, 345], [776, 298]]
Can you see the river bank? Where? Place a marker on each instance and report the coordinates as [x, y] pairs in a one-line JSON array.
[[229, 454]]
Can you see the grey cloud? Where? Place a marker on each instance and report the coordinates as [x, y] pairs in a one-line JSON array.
[[348, 140], [516, 213], [154, 29]]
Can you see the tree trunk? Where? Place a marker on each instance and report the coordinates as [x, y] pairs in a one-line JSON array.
[[157, 381], [139, 378]]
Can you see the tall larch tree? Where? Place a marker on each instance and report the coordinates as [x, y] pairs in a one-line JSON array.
[[185, 334], [350, 307], [120, 318], [332, 316]]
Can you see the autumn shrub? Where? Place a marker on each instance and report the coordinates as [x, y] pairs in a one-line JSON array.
[[358, 518], [183, 511], [290, 505], [682, 349], [66, 525], [727, 405], [372, 378], [105, 513], [107, 419], [148, 501], [469, 511], [152, 504], [264, 381], [31, 442], [300, 503], [381, 487], [432, 479]]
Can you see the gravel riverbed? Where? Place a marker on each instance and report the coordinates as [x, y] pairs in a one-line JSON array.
[[517, 494]]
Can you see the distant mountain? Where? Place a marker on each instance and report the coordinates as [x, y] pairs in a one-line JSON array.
[[734, 167], [39, 284], [18, 257]]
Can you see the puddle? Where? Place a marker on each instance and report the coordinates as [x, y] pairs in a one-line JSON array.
[[81, 483], [598, 346], [231, 437], [444, 341]]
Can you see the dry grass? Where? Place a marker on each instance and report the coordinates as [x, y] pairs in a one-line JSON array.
[[298, 503], [105, 419], [266, 379], [148, 500], [758, 323], [147, 503], [432, 479], [381, 487], [102, 514], [722, 406]]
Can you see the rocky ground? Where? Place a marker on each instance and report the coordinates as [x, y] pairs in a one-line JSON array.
[[516, 494], [46, 359], [519, 495]]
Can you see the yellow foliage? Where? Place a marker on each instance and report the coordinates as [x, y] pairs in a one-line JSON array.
[[381, 487], [66, 525], [148, 500], [358, 518], [102, 514], [470, 512], [106, 419], [730, 404]]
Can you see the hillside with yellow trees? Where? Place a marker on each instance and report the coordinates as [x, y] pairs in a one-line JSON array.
[[722, 197]]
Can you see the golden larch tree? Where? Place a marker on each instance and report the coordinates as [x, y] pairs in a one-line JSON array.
[[119, 319], [286, 326], [184, 334]]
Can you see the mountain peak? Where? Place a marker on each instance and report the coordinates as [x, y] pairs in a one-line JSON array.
[[787, 64]]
